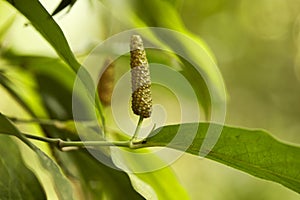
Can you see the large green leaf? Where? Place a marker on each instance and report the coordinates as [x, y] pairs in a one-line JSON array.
[[16, 84], [253, 151], [17, 181], [142, 175], [62, 186], [44, 23], [101, 180], [8, 128], [159, 180], [5, 21]]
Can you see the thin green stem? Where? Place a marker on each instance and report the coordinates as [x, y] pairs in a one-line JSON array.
[[44, 139], [136, 132], [63, 145], [138, 127], [71, 145]]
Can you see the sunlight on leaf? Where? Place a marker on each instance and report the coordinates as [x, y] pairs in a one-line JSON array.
[[17, 181], [151, 184], [62, 185], [43, 22]]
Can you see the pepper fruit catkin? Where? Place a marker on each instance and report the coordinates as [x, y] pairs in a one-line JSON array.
[[140, 78], [106, 83]]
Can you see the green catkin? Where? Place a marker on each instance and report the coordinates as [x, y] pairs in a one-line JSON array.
[[140, 79]]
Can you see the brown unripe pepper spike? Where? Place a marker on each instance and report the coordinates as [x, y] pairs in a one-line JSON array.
[[140, 78], [106, 83]]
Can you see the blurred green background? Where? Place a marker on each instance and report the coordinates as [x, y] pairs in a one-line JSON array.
[[256, 44]]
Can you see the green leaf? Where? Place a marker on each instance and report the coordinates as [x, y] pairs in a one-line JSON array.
[[62, 5], [44, 23], [97, 179], [17, 181], [45, 68], [160, 181], [253, 151], [151, 182], [6, 127], [62, 186], [8, 21], [20, 85]]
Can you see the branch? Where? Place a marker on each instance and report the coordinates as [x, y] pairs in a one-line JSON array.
[[74, 145]]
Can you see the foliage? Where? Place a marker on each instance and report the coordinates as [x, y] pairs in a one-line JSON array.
[[77, 172]]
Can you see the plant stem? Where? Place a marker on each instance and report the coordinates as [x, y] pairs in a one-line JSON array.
[[136, 132], [133, 143], [138, 127], [61, 144]]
